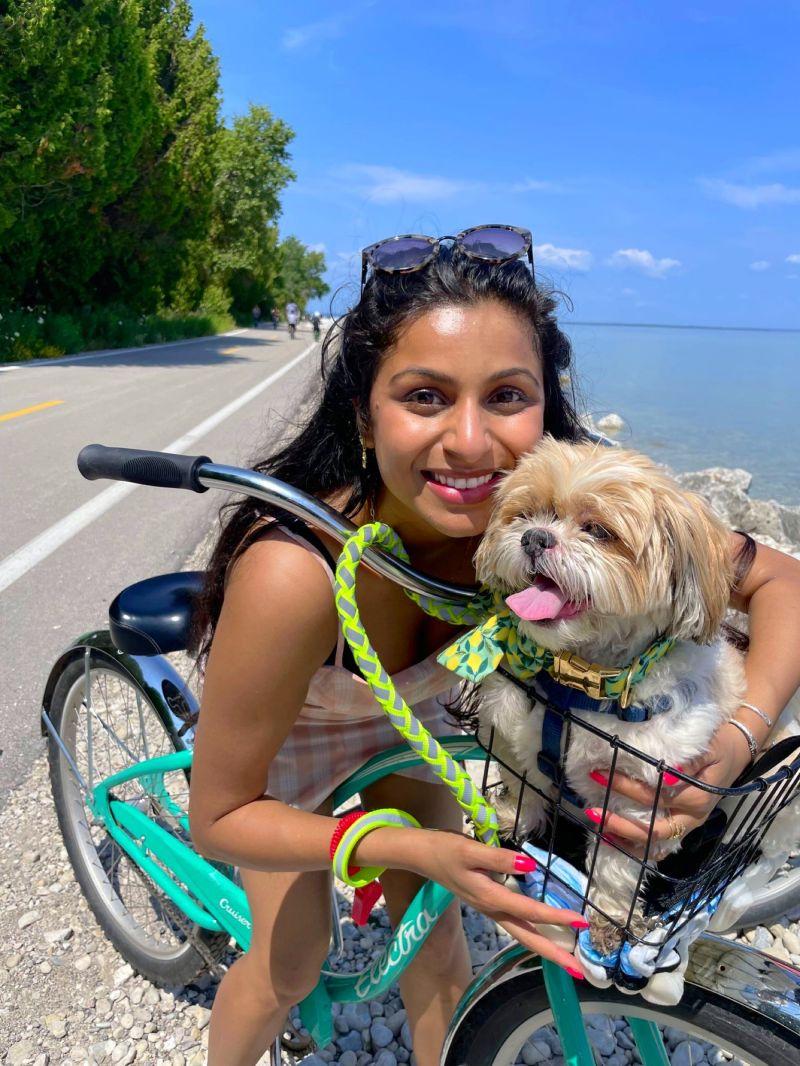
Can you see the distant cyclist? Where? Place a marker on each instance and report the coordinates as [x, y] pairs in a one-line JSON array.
[[256, 316], [316, 324], [275, 317], [292, 315]]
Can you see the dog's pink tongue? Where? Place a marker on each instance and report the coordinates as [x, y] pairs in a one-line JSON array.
[[542, 600]]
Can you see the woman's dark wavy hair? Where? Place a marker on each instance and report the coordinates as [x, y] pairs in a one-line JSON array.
[[324, 456]]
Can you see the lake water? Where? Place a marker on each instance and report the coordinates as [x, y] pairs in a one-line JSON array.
[[694, 398]]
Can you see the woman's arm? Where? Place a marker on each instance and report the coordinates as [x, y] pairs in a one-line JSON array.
[[769, 593], [276, 628]]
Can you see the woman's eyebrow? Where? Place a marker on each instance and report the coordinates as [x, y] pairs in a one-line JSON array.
[[437, 375]]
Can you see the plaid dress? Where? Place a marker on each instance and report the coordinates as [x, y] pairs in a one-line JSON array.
[[340, 726]]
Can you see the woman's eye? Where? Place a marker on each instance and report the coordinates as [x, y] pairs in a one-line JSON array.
[[508, 394], [425, 397], [594, 529]]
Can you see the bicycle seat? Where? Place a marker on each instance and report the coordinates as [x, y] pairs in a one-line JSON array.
[[153, 616]]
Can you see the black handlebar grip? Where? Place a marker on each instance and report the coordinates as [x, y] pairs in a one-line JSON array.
[[161, 469]]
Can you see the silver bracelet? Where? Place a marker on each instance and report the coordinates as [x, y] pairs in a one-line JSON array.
[[757, 710], [748, 736]]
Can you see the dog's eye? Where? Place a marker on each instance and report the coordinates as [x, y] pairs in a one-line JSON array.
[[594, 529]]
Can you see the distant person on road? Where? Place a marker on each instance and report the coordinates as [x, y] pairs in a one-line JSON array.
[[275, 317], [292, 315], [256, 316]]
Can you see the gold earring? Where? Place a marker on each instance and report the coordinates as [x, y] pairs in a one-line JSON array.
[[363, 455]]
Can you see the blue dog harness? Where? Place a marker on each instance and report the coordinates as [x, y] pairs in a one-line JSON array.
[[560, 702]]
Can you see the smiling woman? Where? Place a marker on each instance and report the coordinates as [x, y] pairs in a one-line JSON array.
[[434, 385]]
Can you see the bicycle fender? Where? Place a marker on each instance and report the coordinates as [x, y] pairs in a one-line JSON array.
[[736, 972], [169, 694]]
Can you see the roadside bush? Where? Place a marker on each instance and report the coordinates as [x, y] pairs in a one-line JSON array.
[[31, 333]]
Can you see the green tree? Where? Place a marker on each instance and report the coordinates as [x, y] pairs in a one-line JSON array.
[[108, 117], [170, 203], [300, 274], [239, 255], [76, 101]]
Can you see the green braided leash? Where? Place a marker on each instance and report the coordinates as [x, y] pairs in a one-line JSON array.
[[469, 798]]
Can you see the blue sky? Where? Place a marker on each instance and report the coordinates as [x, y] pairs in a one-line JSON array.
[[653, 148]]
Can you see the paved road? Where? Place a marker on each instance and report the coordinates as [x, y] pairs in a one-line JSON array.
[[145, 398]]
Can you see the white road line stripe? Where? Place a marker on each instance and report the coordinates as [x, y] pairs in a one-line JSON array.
[[26, 557], [142, 348]]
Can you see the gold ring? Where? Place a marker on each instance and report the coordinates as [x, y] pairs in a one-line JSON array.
[[677, 828]]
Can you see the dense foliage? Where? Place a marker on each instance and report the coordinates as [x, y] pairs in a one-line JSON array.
[[120, 189]]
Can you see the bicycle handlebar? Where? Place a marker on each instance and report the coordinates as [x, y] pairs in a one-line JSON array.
[[162, 469], [199, 473]]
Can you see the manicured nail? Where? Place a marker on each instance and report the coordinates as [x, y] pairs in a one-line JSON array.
[[581, 923], [601, 779], [594, 815], [575, 973], [670, 778], [524, 864]]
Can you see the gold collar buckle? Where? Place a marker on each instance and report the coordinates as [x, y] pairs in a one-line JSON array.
[[572, 670]]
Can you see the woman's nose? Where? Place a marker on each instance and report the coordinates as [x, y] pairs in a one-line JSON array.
[[467, 437]]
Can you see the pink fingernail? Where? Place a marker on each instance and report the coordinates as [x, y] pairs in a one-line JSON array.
[[670, 779], [575, 973], [593, 815], [524, 864], [601, 779], [581, 923]]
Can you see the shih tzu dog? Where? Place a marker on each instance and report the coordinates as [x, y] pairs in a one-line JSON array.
[[599, 553]]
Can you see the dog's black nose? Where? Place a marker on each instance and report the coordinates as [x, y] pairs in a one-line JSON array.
[[534, 541]]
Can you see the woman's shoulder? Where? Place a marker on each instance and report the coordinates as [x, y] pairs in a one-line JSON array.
[[279, 576]]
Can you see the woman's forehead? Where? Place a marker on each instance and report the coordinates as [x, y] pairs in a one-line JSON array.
[[485, 336]]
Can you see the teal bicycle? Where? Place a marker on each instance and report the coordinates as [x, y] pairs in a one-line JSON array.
[[120, 720]]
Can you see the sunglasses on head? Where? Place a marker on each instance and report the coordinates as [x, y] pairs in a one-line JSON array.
[[411, 251]]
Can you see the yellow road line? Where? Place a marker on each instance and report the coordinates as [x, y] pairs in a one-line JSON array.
[[228, 351], [29, 410]]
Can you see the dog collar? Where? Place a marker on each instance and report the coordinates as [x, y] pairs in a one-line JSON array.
[[481, 651]]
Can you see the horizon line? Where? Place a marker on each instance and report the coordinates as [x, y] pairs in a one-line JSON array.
[[673, 325]]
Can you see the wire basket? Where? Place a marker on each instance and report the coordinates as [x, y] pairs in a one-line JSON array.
[[753, 820]]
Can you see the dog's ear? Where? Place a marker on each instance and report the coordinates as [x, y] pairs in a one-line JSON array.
[[698, 547]]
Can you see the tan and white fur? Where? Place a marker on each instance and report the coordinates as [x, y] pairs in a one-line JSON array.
[[638, 557]]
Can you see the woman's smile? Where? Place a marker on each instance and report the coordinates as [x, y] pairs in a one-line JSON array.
[[460, 487]]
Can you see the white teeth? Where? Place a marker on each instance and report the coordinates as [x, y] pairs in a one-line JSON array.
[[462, 482]]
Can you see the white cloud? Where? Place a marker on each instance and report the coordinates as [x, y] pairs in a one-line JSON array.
[[386, 185], [317, 247], [531, 185], [313, 32], [760, 265], [777, 161], [324, 29], [794, 258], [566, 258], [749, 196], [643, 261]]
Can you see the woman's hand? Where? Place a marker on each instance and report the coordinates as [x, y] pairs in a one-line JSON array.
[[687, 805], [465, 867]]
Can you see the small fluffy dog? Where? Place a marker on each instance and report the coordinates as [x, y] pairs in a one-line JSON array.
[[601, 553]]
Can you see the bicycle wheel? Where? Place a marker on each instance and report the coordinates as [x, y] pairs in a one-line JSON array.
[[495, 1030], [147, 929]]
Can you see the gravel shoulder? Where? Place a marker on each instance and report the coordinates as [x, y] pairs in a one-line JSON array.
[[67, 997]]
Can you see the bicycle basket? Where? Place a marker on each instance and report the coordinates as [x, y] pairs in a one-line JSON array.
[[644, 908]]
